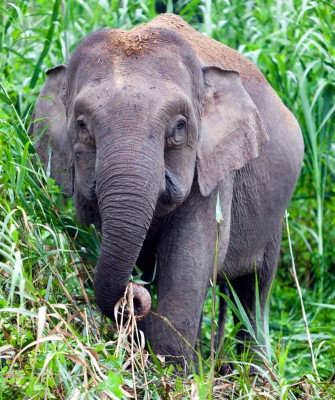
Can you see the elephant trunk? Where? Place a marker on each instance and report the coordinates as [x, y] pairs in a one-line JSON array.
[[128, 185]]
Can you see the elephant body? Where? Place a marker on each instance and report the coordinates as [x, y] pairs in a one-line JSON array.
[[159, 121]]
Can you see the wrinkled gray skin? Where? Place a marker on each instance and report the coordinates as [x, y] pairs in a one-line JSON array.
[[145, 128]]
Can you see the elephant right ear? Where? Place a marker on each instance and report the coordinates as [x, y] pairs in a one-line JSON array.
[[48, 129]]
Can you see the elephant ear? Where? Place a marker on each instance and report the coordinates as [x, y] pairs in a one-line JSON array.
[[48, 130], [231, 128]]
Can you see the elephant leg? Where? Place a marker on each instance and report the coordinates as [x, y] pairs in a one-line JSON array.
[[245, 288], [199, 343], [181, 290], [185, 266], [198, 347]]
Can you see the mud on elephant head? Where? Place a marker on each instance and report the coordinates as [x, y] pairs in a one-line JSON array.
[[143, 127]]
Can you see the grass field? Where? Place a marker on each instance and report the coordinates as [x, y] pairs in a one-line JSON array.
[[54, 343]]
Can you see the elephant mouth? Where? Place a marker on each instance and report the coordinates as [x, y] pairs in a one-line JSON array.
[[171, 197]]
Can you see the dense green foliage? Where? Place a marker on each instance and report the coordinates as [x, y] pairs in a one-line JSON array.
[[53, 341]]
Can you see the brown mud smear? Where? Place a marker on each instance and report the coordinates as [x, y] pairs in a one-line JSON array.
[[134, 42]]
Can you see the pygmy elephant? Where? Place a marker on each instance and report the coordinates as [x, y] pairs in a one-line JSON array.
[[145, 128]]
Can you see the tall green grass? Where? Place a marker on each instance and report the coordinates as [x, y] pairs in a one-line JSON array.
[[53, 341]]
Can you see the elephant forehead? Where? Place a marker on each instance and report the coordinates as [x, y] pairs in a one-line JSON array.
[[156, 72], [161, 74], [139, 46]]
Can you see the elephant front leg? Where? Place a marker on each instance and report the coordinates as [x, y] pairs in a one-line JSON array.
[[185, 268], [183, 278]]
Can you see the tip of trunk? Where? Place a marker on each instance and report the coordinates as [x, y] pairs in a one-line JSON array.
[[138, 301], [141, 300]]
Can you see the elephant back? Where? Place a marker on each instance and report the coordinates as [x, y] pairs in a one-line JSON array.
[[210, 51]]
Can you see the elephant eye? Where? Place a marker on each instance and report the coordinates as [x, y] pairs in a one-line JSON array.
[[81, 124], [178, 133], [83, 131], [181, 124]]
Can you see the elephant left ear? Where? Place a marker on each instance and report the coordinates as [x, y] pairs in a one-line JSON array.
[[232, 130]]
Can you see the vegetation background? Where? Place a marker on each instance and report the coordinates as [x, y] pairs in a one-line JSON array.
[[53, 341]]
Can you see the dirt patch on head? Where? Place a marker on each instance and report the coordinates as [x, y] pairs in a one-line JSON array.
[[134, 42]]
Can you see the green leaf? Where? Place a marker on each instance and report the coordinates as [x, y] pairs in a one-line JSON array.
[[47, 43], [5, 99], [22, 169], [114, 381]]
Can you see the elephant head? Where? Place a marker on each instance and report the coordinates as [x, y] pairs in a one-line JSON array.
[[136, 124]]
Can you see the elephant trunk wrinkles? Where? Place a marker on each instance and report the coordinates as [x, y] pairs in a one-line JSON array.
[[128, 189]]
